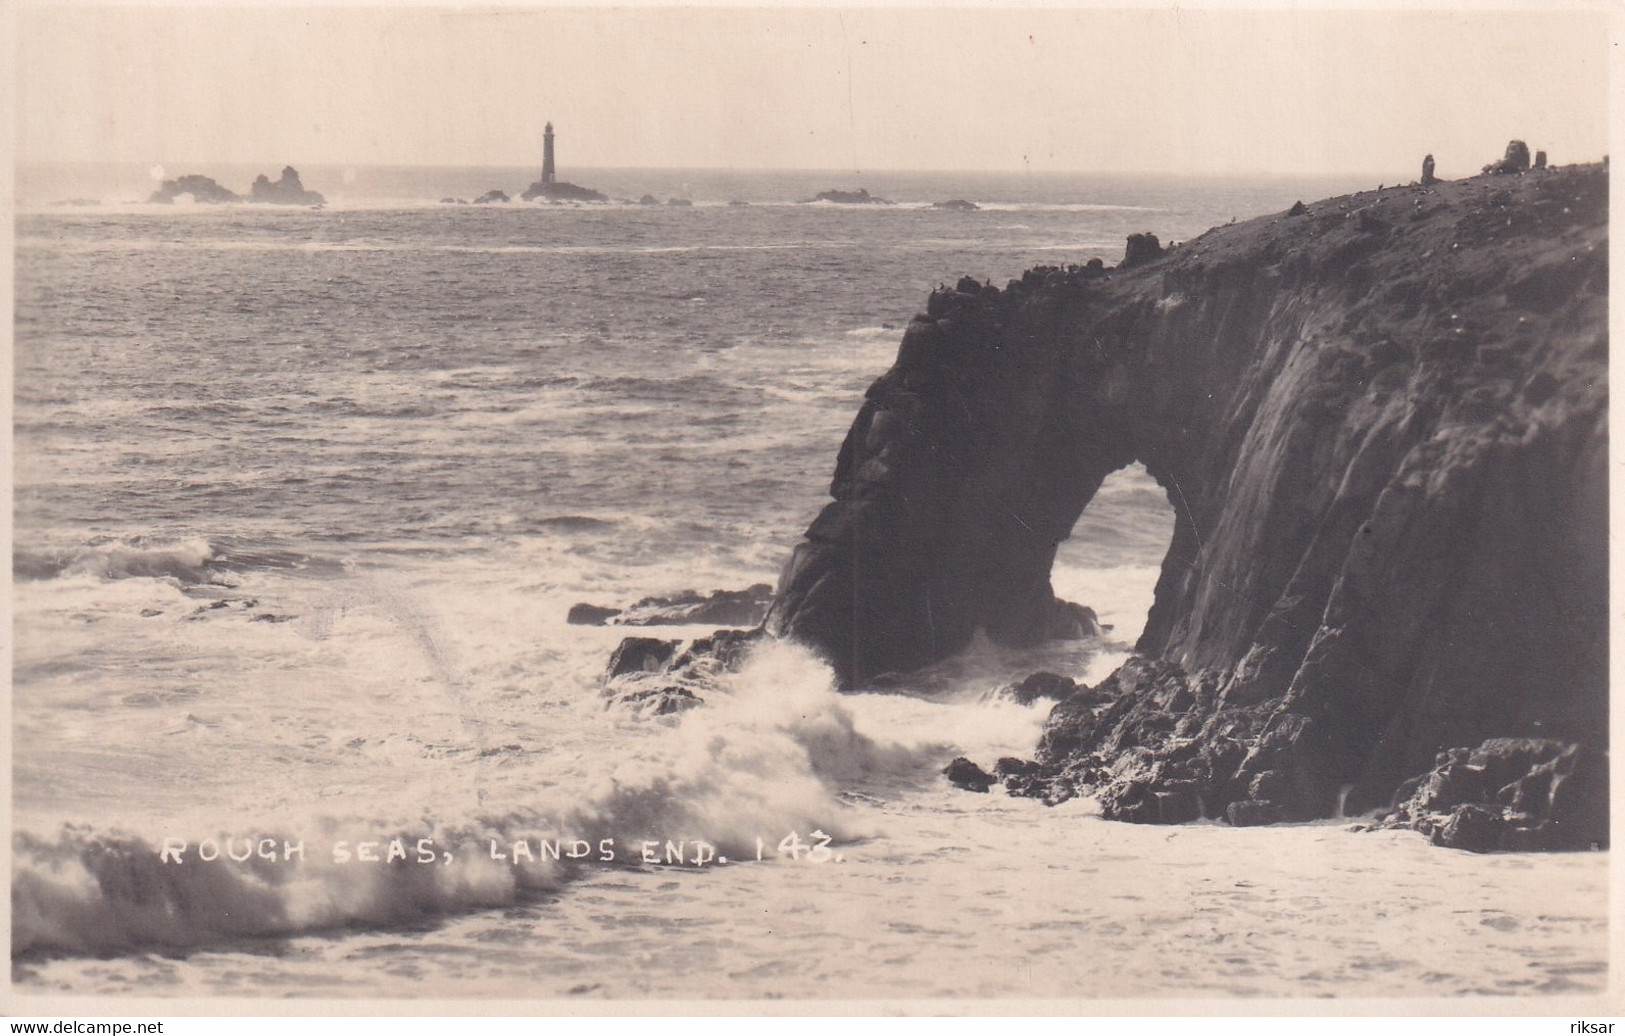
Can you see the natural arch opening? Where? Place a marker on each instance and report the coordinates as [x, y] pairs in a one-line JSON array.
[[1113, 558]]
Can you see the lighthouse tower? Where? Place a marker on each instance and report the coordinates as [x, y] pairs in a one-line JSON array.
[[547, 154]]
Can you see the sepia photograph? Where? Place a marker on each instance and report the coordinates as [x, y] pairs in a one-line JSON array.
[[816, 509]]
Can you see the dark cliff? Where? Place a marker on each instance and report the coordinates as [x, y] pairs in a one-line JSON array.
[[1381, 424]]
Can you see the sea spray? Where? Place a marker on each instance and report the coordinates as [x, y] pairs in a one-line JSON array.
[[767, 760]]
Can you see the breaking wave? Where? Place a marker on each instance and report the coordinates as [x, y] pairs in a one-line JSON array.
[[773, 752]]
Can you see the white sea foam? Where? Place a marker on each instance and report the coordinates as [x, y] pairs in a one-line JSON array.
[[771, 754]]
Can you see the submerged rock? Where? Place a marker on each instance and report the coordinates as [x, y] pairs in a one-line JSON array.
[[747, 607], [1387, 455]]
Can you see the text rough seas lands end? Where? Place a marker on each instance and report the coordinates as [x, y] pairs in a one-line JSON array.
[[695, 852]]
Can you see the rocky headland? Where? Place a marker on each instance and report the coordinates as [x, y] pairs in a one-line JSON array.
[[1380, 421]]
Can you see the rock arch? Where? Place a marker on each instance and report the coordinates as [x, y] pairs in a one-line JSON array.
[[1382, 428]]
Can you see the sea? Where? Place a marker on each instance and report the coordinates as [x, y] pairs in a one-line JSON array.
[[302, 498]]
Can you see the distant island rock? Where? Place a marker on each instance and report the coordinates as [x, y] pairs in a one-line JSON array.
[[492, 197], [285, 191], [198, 188], [560, 192], [648, 199], [957, 205], [861, 196]]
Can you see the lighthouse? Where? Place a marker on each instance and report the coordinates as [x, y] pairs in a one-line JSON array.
[[547, 154]]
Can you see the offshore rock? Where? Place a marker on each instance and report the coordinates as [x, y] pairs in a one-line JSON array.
[[200, 188], [1381, 427], [957, 205], [560, 191], [285, 191], [590, 615], [492, 197], [861, 196]]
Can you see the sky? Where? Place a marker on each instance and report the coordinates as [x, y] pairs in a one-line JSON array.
[[1196, 90]]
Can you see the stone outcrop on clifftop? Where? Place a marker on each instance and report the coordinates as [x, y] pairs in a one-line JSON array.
[[1381, 426]]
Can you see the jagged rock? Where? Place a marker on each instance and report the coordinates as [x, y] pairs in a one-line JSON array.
[[492, 198], [590, 615], [1021, 777], [1509, 793], [1298, 209], [1540, 160], [1390, 481], [641, 655], [861, 196], [656, 677], [287, 190], [1516, 159], [957, 205], [1428, 179], [199, 188], [962, 773]]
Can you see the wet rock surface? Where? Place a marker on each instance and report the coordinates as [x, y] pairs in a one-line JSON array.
[[656, 677]]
